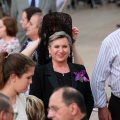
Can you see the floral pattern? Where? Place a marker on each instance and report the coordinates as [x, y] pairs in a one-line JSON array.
[[11, 46], [80, 76]]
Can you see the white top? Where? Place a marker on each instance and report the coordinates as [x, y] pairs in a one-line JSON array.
[[107, 66], [20, 107]]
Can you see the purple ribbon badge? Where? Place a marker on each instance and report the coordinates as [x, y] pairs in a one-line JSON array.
[[80, 76]]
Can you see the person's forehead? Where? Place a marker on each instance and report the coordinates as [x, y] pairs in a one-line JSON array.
[[60, 40], [1, 22], [24, 14], [34, 18], [56, 98]]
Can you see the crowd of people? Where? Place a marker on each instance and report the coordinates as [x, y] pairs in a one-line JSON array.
[[42, 75]]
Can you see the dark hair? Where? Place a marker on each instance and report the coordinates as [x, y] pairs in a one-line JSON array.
[[4, 103], [13, 63], [11, 26], [31, 10], [71, 95]]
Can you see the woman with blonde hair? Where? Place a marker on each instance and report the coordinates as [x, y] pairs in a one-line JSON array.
[[34, 108]]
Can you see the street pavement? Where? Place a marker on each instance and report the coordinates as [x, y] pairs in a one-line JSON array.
[[94, 25]]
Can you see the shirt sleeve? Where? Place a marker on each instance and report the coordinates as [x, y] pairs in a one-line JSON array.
[[14, 46], [100, 74]]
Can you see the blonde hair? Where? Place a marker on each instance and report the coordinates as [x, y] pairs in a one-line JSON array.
[[34, 108]]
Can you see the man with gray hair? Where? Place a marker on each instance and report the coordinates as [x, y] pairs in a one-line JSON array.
[[6, 110], [33, 28], [66, 103]]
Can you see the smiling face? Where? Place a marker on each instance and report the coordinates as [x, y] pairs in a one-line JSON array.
[[24, 21], [21, 84], [2, 29], [59, 49]]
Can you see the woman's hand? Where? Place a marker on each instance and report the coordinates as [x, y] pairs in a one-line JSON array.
[[75, 32]]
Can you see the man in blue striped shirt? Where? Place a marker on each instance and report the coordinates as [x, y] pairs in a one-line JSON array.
[[107, 66]]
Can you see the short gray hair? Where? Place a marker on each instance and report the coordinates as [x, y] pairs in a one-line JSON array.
[[40, 18], [60, 34], [4, 103]]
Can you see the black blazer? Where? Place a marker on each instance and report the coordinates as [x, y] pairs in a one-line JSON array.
[[45, 81]]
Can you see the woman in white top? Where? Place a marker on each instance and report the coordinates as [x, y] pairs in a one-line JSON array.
[[8, 31], [16, 71]]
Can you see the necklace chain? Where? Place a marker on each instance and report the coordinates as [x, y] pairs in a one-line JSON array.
[[63, 73]]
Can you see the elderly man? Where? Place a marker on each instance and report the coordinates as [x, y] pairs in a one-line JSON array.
[[6, 110], [32, 32], [26, 15], [17, 7], [66, 103]]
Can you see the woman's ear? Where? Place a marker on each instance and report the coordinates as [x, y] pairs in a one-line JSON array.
[[13, 77]]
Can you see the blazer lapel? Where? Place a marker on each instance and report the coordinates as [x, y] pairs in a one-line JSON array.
[[51, 75], [72, 70]]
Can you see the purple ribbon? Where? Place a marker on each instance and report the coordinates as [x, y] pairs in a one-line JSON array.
[[80, 74]]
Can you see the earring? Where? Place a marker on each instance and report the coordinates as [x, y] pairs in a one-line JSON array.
[[49, 55]]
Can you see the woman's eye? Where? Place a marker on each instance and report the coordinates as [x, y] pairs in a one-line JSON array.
[[29, 77], [65, 46], [56, 46]]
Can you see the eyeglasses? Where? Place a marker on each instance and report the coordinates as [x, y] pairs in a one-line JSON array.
[[55, 108], [14, 114]]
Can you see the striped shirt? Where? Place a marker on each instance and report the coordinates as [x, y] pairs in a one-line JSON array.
[[107, 66]]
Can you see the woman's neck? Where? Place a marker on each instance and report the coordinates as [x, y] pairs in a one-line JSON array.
[[9, 93], [61, 67], [7, 38], [59, 64]]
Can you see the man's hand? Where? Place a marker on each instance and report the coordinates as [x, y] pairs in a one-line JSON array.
[[104, 114]]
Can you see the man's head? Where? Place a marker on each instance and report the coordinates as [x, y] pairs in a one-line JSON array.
[[27, 14], [6, 110], [34, 26], [66, 103]]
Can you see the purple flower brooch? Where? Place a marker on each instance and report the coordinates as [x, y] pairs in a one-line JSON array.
[[80, 76]]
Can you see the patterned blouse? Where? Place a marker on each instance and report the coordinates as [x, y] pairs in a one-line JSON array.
[[11, 46]]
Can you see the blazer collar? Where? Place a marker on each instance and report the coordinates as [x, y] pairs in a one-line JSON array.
[[52, 77]]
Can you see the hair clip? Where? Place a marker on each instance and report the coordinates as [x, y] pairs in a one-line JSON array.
[[7, 56]]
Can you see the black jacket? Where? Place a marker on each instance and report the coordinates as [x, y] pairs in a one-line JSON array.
[[45, 81]]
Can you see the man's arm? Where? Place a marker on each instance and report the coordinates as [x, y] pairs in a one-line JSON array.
[[100, 74], [28, 51]]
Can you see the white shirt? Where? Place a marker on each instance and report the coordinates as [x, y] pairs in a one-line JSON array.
[[107, 66], [20, 107]]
